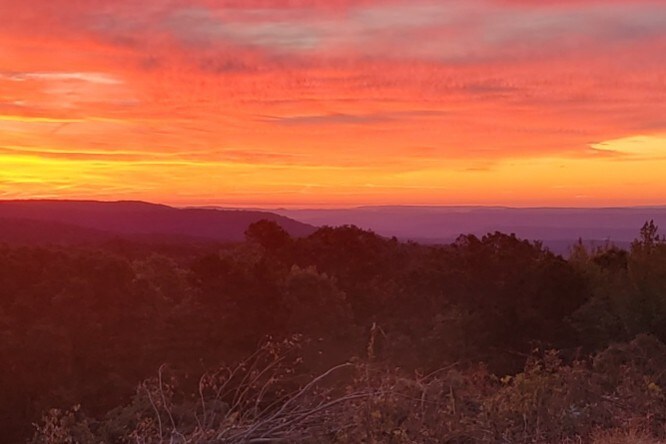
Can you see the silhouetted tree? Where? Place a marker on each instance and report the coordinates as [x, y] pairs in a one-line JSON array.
[[268, 234]]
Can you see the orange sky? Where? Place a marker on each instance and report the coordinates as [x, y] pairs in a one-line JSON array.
[[334, 102]]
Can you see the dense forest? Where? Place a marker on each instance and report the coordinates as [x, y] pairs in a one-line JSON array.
[[341, 336]]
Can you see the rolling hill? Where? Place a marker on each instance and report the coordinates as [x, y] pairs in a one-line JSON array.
[[54, 221]]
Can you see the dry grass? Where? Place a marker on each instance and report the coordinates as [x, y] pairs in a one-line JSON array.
[[617, 399], [619, 436]]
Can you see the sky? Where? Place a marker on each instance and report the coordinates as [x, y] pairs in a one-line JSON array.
[[324, 103]]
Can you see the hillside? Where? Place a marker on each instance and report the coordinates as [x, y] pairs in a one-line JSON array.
[[90, 221], [339, 337]]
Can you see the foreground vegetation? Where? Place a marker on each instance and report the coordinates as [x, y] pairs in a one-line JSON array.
[[342, 336], [616, 396]]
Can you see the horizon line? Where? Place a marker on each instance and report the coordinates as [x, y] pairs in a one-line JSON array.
[[283, 207]]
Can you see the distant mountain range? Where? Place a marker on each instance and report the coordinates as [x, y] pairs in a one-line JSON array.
[[558, 228], [53, 221], [67, 222]]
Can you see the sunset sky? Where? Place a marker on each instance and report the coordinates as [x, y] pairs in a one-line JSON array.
[[334, 102]]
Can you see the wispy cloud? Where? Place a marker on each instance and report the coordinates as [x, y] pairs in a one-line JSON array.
[[88, 77], [352, 119]]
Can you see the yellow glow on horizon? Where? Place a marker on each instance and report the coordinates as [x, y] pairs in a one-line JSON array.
[[634, 177]]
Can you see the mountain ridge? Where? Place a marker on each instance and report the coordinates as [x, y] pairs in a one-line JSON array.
[[131, 219]]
